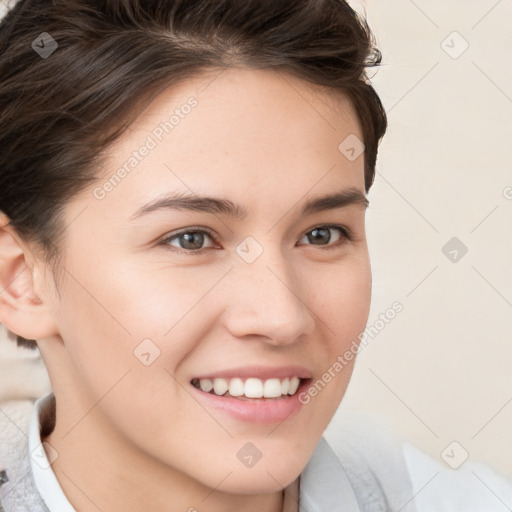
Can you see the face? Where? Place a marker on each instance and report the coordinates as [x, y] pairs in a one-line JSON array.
[[154, 301]]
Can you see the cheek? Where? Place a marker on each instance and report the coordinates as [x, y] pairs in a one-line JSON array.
[[124, 338], [344, 303], [122, 317], [343, 308]]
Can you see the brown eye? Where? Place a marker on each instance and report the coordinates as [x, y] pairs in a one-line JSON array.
[[191, 241], [321, 235]]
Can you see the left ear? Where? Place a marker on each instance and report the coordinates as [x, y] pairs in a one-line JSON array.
[[26, 296]]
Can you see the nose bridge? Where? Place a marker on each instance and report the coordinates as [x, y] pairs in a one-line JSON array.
[[267, 300]]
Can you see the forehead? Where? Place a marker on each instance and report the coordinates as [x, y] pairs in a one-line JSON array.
[[253, 133]]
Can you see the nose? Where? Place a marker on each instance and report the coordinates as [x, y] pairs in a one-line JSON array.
[[269, 301]]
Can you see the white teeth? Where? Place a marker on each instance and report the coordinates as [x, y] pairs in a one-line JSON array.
[[294, 384], [220, 386], [252, 387], [272, 388], [236, 387], [206, 385]]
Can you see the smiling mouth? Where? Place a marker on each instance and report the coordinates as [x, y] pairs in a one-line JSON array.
[[251, 388]]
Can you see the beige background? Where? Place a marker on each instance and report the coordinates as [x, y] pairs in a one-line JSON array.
[[441, 370]]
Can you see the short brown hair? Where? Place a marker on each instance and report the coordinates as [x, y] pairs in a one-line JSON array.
[[59, 114]]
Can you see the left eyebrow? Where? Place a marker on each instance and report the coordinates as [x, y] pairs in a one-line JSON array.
[[350, 196], [218, 206]]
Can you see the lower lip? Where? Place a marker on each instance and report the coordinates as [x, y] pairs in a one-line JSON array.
[[256, 410]]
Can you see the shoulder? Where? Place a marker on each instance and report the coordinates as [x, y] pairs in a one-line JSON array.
[[472, 487], [410, 479], [15, 490], [372, 457], [19, 424]]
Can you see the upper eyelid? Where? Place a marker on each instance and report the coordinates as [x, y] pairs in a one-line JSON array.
[[192, 229]]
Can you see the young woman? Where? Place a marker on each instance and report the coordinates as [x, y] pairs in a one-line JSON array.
[[183, 192]]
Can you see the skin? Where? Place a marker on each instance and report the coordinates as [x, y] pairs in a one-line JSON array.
[[130, 436]]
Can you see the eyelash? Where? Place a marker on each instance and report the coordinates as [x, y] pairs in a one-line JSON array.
[[346, 236]]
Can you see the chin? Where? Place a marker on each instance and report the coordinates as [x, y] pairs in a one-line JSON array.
[[267, 469], [278, 467], [263, 480]]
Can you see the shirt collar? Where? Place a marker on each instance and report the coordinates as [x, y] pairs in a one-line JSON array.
[[46, 482], [324, 485]]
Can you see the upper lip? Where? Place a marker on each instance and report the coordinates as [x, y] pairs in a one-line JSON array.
[[259, 372]]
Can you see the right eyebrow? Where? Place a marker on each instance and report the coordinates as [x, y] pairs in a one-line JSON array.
[[221, 206]]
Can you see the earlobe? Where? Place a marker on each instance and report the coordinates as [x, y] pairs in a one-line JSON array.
[[22, 310]]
